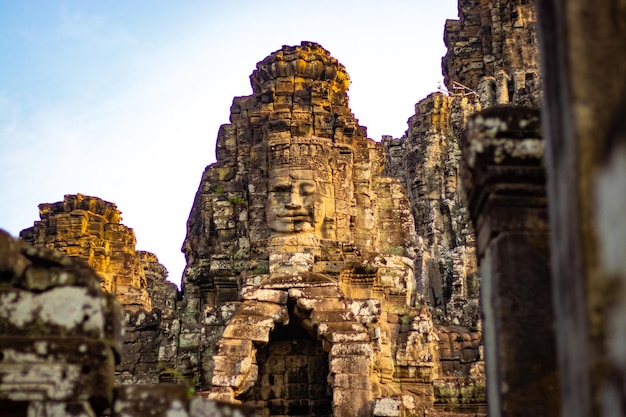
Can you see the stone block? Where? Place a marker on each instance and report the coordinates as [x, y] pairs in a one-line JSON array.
[[235, 347], [359, 382], [296, 361], [350, 365], [386, 407], [350, 349], [296, 375], [295, 391], [248, 332], [270, 296], [297, 407], [231, 365], [55, 369], [350, 402], [246, 320]]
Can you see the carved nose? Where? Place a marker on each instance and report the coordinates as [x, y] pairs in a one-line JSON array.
[[294, 201]]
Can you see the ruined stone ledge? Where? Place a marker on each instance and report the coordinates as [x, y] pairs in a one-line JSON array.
[[55, 369]]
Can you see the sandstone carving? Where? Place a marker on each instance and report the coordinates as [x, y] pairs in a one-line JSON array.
[[493, 52], [326, 274], [426, 161], [90, 228], [296, 232]]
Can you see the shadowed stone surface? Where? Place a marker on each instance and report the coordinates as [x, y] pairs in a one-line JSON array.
[[60, 334], [505, 181]]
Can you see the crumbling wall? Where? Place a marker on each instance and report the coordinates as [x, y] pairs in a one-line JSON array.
[[90, 228], [493, 52], [426, 160]]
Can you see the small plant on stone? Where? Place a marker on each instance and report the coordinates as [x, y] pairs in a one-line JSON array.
[[190, 384], [219, 189], [236, 200], [396, 250]]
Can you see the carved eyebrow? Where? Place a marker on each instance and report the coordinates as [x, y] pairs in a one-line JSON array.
[[281, 187], [307, 187]]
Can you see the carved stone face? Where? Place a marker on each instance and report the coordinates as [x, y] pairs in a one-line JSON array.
[[293, 202]]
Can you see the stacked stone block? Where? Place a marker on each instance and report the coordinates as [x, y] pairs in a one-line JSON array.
[[60, 335], [426, 161], [90, 228], [493, 52]]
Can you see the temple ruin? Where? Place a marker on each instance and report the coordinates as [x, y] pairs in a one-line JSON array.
[[331, 275]]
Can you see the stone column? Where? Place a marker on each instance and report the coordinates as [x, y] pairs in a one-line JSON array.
[[582, 51], [505, 182]]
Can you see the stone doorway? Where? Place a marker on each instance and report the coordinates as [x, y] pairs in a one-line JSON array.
[[293, 375]]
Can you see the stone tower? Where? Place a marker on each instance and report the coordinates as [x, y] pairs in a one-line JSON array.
[[492, 59], [90, 228], [299, 287]]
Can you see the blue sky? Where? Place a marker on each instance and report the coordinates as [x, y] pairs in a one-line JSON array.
[[123, 99]]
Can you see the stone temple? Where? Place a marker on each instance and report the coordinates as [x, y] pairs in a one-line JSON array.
[[299, 251], [331, 275]]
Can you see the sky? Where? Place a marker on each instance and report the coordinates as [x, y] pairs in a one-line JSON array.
[[123, 99]]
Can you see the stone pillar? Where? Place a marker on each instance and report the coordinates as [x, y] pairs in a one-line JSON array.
[[505, 182], [582, 50]]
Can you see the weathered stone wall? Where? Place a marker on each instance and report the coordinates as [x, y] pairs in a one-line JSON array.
[[505, 181], [60, 334], [90, 228], [492, 59], [162, 292], [426, 160], [294, 232], [493, 52]]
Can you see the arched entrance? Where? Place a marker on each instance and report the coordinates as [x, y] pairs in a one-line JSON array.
[[292, 375]]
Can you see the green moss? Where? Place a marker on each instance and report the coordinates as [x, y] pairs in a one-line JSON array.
[[260, 269], [190, 383], [219, 189], [236, 200]]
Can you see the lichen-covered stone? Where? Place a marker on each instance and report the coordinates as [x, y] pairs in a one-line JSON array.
[[60, 334]]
